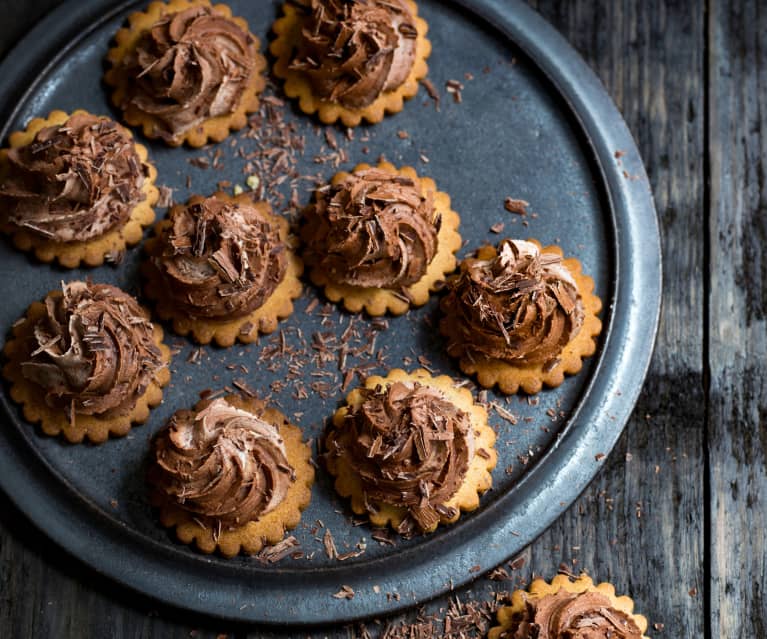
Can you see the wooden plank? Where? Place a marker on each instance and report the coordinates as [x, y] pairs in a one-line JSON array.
[[640, 524], [738, 310]]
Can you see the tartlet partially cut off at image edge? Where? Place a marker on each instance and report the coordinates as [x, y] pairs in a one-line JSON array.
[[297, 85], [53, 421], [213, 129], [95, 251]]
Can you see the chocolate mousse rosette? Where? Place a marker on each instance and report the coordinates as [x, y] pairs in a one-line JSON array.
[[75, 189], [232, 474], [411, 451], [379, 238], [86, 362], [351, 60], [520, 316], [566, 609], [186, 71], [222, 268]]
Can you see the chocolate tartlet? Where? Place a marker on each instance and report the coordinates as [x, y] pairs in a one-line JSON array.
[[568, 609], [186, 71], [520, 316], [230, 474], [380, 239], [351, 59], [411, 451], [222, 268], [75, 188], [87, 362]]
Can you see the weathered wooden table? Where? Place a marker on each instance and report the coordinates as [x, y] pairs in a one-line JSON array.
[[677, 516]]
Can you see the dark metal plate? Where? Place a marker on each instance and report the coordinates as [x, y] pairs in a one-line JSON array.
[[536, 124]]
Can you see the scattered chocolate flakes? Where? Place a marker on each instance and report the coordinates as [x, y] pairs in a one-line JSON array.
[[242, 385], [166, 197], [516, 206], [599, 456], [277, 552], [454, 87], [346, 592], [432, 91], [497, 228], [403, 135], [330, 545]]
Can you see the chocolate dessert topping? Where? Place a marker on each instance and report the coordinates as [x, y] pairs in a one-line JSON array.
[[354, 50], [189, 66], [374, 229], [522, 306], [223, 463], [74, 181], [221, 259], [567, 615], [410, 446], [94, 353]]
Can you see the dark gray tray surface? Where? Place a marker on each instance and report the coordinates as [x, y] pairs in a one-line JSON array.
[[516, 133]]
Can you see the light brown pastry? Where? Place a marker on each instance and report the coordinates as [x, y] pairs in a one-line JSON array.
[[186, 71], [569, 609], [520, 316], [380, 239], [86, 362], [411, 451], [351, 61], [222, 268], [231, 475], [76, 189]]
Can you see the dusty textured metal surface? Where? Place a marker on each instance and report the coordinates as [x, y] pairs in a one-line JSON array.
[[533, 124]]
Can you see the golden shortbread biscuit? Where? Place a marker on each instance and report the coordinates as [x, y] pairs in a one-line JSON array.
[[270, 528], [263, 320], [530, 378], [477, 481], [54, 421], [90, 252], [379, 301], [213, 129], [288, 31]]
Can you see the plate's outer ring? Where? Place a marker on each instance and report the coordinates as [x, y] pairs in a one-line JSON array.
[[287, 596]]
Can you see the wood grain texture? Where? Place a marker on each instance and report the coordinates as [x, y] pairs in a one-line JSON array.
[[737, 319], [640, 523]]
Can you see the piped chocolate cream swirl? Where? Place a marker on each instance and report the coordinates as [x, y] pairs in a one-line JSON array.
[[189, 66], [521, 306], [352, 51], [410, 447], [221, 259], [74, 182], [374, 229], [566, 615], [222, 463], [94, 351]]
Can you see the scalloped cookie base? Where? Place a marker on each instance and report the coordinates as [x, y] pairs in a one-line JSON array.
[[540, 588], [91, 252], [478, 479], [54, 421], [246, 329], [531, 378], [297, 85], [379, 301], [269, 529], [214, 129]]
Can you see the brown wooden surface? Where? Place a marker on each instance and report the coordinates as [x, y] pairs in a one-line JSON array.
[[676, 517]]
